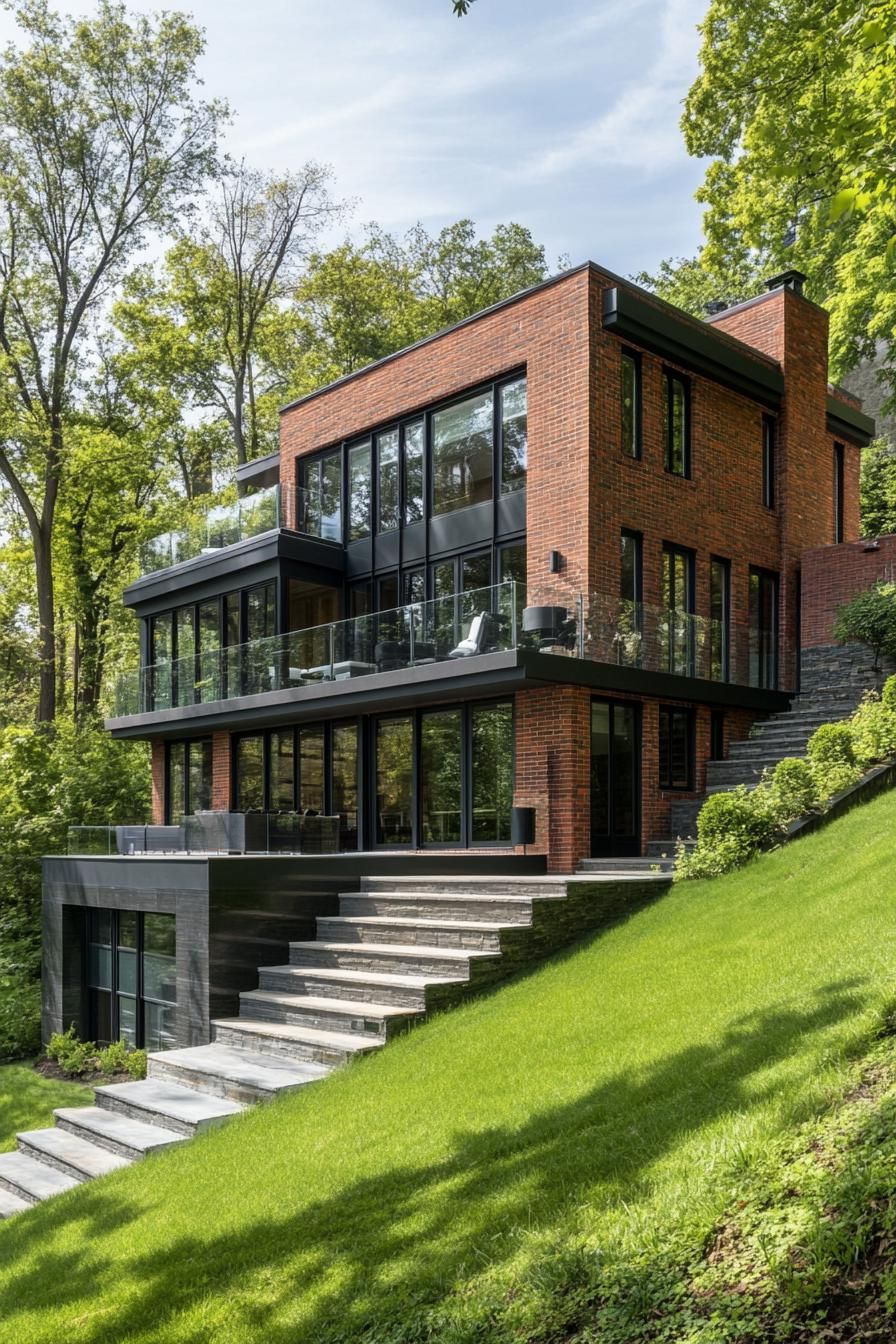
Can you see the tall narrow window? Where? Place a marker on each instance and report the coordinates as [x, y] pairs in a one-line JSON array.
[[250, 774], [312, 770], [359, 491], [319, 505], [677, 632], [344, 782], [412, 471], [387, 480], [769, 434], [838, 492], [763, 629], [462, 437], [719, 615], [676, 748], [631, 403], [630, 567], [676, 427], [185, 666], [630, 624], [514, 436]]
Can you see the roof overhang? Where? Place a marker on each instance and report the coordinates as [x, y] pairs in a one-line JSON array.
[[461, 679], [695, 345], [847, 422]]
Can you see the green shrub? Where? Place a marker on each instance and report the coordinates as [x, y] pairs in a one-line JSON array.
[[832, 757], [71, 1054], [794, 791], [888, 694], [710, 860], [731, 828], [113, 1058], [873, 729], [870, 618], [135, 1063], [19, 1019]]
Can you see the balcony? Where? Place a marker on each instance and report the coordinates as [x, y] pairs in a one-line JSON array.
[[223, 525], [460, 630]]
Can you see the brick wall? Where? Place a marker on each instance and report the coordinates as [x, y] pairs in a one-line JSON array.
[[221, 773], [158, 782], [834, 574]]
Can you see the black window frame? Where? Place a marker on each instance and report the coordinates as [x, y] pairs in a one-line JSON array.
[[671, 376], [839, 484], [114, 991], [636, 538], [664, 771], [769, 461], [758, 657], [631, 357], [720, 564], [183, 744]]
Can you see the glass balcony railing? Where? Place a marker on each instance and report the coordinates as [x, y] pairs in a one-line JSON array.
[[221, 525], [450, 629]]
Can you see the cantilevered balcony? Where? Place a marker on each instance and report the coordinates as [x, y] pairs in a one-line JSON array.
[[589, 639]]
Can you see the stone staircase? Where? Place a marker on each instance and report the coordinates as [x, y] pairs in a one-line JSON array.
[[399, 948], [771, 740]]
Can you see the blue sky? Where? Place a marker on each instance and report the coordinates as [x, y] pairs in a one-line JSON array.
[[560, 114]]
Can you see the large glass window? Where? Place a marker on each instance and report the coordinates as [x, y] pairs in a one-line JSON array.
[[676, 748], [185, 667], [320, 498], [208, 683], [492, 772], [188, 786], [412, 471], [394, 781], [677, 636], [312, 773], [440, 777], [387, 480], [281, 771], [514, 436], [359, 491], [763, 629], [133, 996], [719, 613], [676, 428], [462, 442], [630, 569], [630, 396], [344, 782], [250, 774]]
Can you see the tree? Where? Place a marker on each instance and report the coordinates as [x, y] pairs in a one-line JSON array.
[[870, 618], [198, 331], [795, 106], [102, 143]]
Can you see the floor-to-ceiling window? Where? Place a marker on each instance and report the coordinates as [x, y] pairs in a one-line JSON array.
[[132, 978], [188, 778], [763, 628], [677, 636], [441, 776], [394, 748], [720, 619]]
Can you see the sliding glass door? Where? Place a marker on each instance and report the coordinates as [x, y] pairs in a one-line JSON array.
[[615, 778]]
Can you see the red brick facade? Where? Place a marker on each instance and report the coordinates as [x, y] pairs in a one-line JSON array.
[[833, 575], [583, 489]]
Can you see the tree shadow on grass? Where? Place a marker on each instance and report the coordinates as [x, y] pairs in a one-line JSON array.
[[381, 1250]]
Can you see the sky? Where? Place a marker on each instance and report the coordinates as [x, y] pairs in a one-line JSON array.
[[559, 114]]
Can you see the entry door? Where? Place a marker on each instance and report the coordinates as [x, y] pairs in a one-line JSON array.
[[615, 778]]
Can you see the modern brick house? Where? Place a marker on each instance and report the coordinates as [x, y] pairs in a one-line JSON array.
[[549, 559]]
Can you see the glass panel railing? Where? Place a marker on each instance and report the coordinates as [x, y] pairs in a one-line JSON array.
[[212, 833], [222, 525], [484, 620]]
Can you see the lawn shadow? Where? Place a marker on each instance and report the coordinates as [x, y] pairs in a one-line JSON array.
[[384, 1248]]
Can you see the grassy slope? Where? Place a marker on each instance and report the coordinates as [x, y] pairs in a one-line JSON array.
[[587, 1113], [27, 1100]]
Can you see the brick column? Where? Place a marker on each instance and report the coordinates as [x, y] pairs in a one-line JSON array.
[[158, 782], [221, 774], [553, 762]]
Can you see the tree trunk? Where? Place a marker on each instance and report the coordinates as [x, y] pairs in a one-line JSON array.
[[46, 614]]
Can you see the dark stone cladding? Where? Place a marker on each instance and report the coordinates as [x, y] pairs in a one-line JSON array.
[[234, 914], [841, 671]]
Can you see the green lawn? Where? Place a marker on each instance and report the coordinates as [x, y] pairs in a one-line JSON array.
[[582, 1122], [27, 1100]]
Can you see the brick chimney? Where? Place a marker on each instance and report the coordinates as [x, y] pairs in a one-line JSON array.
[[785, 325]]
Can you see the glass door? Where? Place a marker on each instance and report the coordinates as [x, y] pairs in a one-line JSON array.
[[615, 778]]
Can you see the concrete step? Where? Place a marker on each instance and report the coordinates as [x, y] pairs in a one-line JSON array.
[[156, 1101], [120, 1134], [640, 865], [394, 958], [69, 1153], [11, 1204], [414, 993], [30, 1180], [359, 1017], [329, 1048], [245, 1076], [543, 887], [460, 906], [480, 936]]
